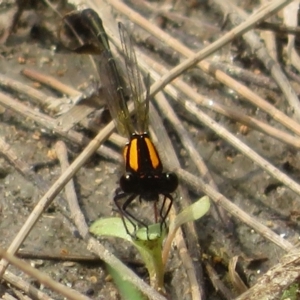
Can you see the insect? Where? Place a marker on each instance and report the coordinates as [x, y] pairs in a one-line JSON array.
[[144, 178]]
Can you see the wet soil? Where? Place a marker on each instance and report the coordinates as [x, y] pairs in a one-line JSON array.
[[238, 178]]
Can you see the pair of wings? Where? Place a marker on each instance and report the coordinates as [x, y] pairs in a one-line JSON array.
[[114, 93]]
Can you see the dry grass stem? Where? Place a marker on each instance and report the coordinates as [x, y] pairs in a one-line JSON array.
[[204, 65], [46, 280], [54, 191], [201, 142], [51, 124]]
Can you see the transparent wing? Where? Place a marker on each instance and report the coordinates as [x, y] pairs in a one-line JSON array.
[[114, 95], [136, 85]]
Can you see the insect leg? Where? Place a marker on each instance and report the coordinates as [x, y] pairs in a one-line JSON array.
[[161, 212], [122, 209]]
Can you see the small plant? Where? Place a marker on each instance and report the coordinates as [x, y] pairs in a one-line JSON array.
[[291, 293], [153, 243]]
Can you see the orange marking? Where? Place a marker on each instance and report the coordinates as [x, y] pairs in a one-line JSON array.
[[125, 151], [133, 155], [152, 153]]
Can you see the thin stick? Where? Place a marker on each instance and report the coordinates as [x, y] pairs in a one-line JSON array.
[[25, 170], [217, 282], [127, 274], [30, 290], [271, 285], [46, 280], [76, 214], [34, 94], [51, 124], [58, 257], [54, 191], [52, 83], [199, 186], [194, 271], [229, 137], [204, 65], [20, 295], [238, 16], [156, 70], [245, 75], [45, 100], [7, 296], [203, 118], [184, 88], [264, 13]]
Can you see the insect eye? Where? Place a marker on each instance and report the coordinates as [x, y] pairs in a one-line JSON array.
[[128, 183], [171, 181]]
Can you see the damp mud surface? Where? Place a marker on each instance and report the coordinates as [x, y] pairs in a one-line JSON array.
[[54, 245]]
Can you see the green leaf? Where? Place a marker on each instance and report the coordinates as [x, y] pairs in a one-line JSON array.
[[148, 243], [291, 293], [126, 289], [111, 227], [151, 252], [192, 212]]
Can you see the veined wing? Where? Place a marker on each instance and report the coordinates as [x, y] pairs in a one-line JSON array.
[[136, 85], [114, 95], [111, 82]]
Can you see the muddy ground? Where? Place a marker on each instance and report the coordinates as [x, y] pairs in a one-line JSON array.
[[36, 46]]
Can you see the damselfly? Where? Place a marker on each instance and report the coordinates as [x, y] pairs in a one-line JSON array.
[[144, 177]]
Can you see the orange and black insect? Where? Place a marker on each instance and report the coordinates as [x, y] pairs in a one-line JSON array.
[[144, 177]]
